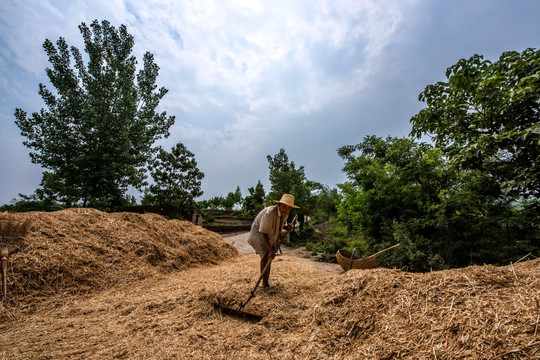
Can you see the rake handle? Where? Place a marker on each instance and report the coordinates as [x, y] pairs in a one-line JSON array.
[[380, 252], [257, 284]]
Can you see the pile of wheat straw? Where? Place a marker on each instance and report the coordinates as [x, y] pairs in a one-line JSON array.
[[84, 250], [473, 313], [479, 312]]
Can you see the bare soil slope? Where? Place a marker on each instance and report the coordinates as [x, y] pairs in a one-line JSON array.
[[480, 312]]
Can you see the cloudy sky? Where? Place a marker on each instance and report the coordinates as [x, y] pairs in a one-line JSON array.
[[248, 77]]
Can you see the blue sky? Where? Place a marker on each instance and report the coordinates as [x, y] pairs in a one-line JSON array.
[[248, 77]]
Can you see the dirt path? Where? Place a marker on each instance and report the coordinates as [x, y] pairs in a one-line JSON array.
[[240, 242]]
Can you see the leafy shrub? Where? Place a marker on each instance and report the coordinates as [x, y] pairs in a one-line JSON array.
[[327, 246], [327, 241]]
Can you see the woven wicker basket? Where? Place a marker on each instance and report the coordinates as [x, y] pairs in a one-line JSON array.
[[350, 261]]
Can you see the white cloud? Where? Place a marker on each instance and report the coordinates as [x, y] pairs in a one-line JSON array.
[[235, 49], [249, 5]]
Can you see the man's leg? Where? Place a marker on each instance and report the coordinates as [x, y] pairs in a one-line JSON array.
[[264, 260]]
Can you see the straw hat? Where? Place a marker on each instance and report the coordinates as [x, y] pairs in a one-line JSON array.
[[288, 200]]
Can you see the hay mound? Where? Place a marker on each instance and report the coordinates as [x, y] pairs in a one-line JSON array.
[[481, 312], [84, 250], [472, 313]]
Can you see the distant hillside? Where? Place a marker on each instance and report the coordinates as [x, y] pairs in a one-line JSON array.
[[223, 221]]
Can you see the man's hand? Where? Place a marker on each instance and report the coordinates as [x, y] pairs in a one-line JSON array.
[[271, 250], [271, 254], [287, 227]]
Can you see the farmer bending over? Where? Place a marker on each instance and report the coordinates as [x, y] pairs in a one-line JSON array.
[[266, 229]]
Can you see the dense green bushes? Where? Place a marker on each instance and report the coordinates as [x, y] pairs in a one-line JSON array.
[[471, 197], [400, 191]]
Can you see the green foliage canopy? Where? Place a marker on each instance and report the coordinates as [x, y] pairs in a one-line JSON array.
[[392, 179], [232, 199], [408, 192], [486, 117], [177, 180], [96, 135], [286, 178], [254, 202]]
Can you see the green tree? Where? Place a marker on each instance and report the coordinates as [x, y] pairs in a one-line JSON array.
[[389, 180], [486, 117], [254, 202], [30, 203], [177, 180], [97, 133], [325, 207], [215, 203], [286, 178], [232, 199], [394, 185]]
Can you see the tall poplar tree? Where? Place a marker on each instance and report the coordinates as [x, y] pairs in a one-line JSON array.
[[99, 126]]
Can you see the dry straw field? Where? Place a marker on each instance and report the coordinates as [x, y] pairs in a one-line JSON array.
[[91, 285]]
